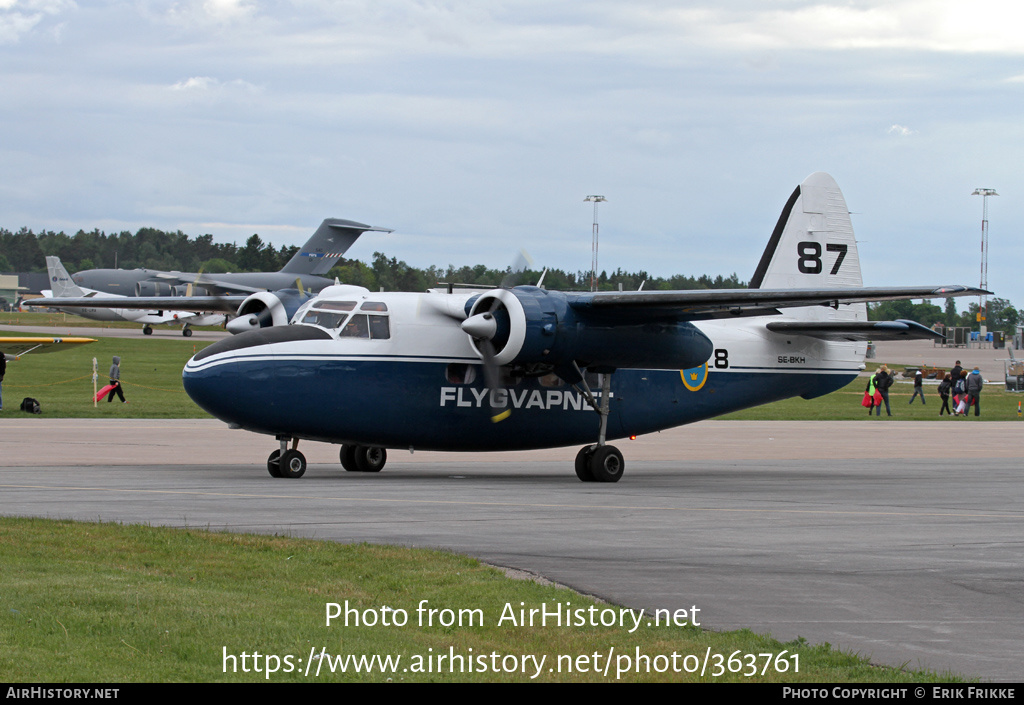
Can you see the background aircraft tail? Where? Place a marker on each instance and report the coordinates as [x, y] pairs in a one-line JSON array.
[[63, 286], [813, 247], [330, 241]]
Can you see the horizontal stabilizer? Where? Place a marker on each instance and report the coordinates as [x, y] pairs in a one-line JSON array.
[[856, 330]]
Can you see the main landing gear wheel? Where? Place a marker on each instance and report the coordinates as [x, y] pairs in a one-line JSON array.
[[348, 458], [583, 463], [599, 464], [274, 464], [370, 459], [292, 464], [147, 330], [363, 458], [187, 332]]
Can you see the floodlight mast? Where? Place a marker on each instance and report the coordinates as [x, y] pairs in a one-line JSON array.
[[983, 298], [593, 256]]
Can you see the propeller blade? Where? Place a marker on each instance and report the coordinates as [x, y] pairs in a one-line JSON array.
[[522, 262], [492, 378]]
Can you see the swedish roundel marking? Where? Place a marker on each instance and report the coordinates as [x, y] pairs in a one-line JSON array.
[[695, 377]]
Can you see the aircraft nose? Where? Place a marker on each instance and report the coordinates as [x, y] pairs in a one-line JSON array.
[[236, 378]]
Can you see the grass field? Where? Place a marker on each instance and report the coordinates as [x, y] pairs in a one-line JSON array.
[[108, 603], [151, 375], [62, 381]]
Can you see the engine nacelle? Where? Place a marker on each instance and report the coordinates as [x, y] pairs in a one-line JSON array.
[[153, 289], [265, 309], [535, 326]]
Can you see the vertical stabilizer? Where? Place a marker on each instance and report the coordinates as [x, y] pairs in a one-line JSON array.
[[60, 281], [330, 241], [813, 247]]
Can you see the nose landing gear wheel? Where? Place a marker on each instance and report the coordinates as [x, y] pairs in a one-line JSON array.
[[293, 464], [274, 464]]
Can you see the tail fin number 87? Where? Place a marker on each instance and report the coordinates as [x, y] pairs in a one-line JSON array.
[[809, 257]]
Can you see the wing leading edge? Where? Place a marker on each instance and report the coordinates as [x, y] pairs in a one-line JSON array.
[[704, 304]]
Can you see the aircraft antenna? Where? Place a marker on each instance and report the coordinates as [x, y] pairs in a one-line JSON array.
[[983, 298], [593, 257]]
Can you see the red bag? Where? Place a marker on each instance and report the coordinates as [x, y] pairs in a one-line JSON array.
[[878, 398], [867, 400], [103, 392]]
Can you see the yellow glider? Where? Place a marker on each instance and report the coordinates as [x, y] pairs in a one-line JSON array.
[[13, 348]]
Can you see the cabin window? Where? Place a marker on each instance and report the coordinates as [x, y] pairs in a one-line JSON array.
[[374, 306], [380, 329], [551, 380], [363, 326], [460, 373], [357, 327]]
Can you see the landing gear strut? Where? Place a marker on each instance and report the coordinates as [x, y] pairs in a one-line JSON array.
[[601, 462]]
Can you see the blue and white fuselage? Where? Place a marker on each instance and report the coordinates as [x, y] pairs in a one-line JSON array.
[[522, 368], [421, 384]]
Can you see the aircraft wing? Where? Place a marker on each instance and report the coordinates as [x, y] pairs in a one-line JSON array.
[[208, 281], [197, 304], [14, 348], [703, 304], [857, 330]]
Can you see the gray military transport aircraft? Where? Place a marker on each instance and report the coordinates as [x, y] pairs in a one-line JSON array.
[[165, 291], [524, 367]]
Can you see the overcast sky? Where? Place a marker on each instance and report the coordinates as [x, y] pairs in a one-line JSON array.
[[477, 128]]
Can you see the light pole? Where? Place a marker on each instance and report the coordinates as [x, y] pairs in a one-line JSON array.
[[983, 298], [593, 257]]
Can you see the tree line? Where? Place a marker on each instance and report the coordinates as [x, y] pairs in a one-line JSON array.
[[25, 251], [1000, 314]]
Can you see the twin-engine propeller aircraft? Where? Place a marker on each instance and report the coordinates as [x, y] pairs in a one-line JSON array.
[[523, 367]]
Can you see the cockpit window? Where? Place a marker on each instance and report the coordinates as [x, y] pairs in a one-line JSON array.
[[374, 306], [336, 305], [325, 319]]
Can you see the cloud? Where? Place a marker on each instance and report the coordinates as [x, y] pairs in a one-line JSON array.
[[207, 85], [19, 17], [901, 131]]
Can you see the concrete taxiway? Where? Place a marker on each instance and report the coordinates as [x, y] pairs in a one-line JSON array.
[[900, 541]]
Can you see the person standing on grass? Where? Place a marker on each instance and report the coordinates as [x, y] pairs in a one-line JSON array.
[[883, 380], [974, 385], [918, 388], [115, 379], [944, 388]]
